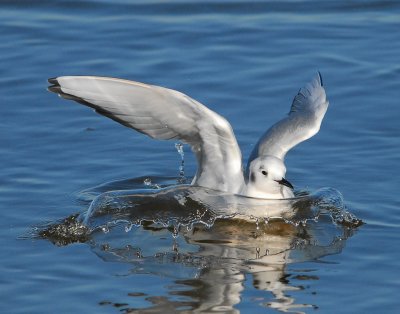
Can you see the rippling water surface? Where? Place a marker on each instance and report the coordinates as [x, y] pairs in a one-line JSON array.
[[245, 60]]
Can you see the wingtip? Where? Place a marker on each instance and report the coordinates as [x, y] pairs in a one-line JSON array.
[[54, 89], [53, 81], [55, 86], [320, 78]]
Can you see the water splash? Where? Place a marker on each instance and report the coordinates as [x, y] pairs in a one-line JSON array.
[[148, 183], [181, 179], [62, 232], [189, 232], [186, 207], [330, 201]]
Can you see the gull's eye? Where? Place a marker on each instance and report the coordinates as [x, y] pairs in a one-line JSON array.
[[264, 172]]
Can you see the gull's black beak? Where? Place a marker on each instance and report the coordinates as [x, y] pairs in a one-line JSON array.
[[286, 183]]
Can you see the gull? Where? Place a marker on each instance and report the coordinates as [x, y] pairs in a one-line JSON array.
[[164, 114]]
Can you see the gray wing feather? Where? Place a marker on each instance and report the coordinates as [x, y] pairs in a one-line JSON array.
[[303, 121], [163, 113]]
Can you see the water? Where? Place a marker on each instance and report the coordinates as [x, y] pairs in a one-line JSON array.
[[245, 61]]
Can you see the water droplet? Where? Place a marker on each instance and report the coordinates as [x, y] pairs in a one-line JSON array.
[[189, 227], [182, 178], [179, 148], [128, 227], [105, 247], [175, 232], [147, 182]]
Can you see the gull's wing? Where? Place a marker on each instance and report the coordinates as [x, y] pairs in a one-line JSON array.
[[304, 120], [163, 113]]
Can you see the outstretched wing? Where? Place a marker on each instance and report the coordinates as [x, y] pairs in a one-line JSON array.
[[304, 120], [164, 114]]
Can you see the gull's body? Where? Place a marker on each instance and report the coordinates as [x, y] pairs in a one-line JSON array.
[[163, 113]]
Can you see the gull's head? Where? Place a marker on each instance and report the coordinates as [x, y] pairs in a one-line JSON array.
[[267, 179]]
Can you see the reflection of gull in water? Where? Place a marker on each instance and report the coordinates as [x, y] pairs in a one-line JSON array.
[[264, 255], [215, 263], [166, 114]]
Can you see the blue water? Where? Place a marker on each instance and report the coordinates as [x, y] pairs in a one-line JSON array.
[[246, 61]]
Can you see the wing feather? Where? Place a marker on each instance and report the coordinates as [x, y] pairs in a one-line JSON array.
[[163, 113], [303, 121]]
